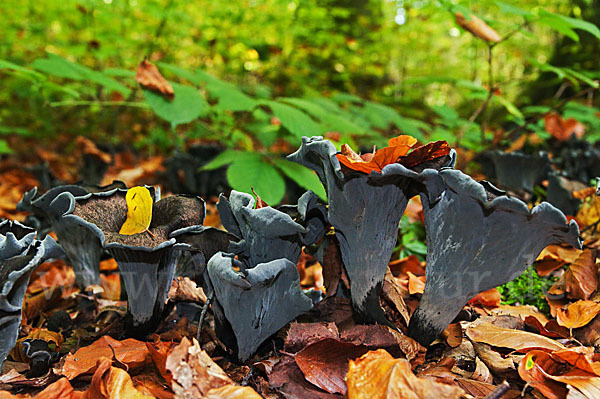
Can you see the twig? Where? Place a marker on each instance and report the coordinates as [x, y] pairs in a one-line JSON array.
[[104, 103], [209, 299], [499, 391]]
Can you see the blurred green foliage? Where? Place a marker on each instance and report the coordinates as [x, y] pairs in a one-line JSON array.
[[252, 75]]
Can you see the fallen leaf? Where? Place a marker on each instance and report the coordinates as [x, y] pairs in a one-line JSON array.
[[521, 341], [522, 311], [562, 129], [411, 264], [184, 289], [577, 314], [300, 335], [581, 278], [394, 293], [159, 351], [416, 285], [131, 352], [425, 153], [87, 147], [370, 162], [111, 286], [139, 211], [287, 379], [232, 392], [584, 358], [112, 382], [377, 375], [490, 298], [149, 77], [325, 363], [540, 368], [584, 193], [545, 331], [477, 27], [453, 335], [565, 254], [194, 373]]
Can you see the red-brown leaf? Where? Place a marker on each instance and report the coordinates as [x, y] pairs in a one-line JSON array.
[[325, 363], [149, 77]]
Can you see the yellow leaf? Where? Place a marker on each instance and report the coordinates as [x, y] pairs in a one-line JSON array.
[[139, 211]]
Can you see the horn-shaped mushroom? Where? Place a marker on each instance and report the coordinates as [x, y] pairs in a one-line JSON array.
[[478, 238], [264, 293], [146, 260], [82, 247], [20, 255], [365, 209]]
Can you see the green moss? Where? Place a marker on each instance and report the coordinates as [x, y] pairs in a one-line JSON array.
[[528, 289]]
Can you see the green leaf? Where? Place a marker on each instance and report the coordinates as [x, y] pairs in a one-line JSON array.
[[297, 122], [333, 121], [346, 98], [229, 156], [582, 77], [229, 96], [510, 9], [4, 148], [14, 67], [187, 105], [305, 177], [574, 23], [259, 174], [445, 112], [510, 107], [557, 23], [119, 72], [57, 66], [21, 131]]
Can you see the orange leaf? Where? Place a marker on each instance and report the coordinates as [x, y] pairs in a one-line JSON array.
[[111, 284], [159, 351], [377, 375], [149, 77], [581, 278], [489, 298], [542, 369], [131, 352], [111, 382], [578, 314], [367, 163], [477, 27], [581, 357], [416, 285], [562, 129]]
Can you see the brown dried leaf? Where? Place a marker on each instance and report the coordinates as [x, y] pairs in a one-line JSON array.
[[149, 77], [562, 129], [453, 335], [520, 341], [577, 314], [194, 373], [581, 279], [377, 375], [416, 285], [490, 298], [131, 352], [477, 27], [325, 363], [184, 289]]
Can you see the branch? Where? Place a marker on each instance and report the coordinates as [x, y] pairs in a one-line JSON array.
[[104, 103]]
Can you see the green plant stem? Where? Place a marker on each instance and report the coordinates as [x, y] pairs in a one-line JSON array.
[[102, 103]]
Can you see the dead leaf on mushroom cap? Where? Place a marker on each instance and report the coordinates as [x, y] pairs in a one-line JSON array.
[[377, 375], [578, 314], [149, 77], [396, 152]]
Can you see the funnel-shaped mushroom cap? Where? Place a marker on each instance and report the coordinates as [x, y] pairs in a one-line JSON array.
[[267, 233], [365, 211], [81, 247], [204, 243], [15, 269], [518, 171], [478, 238], [258, 303], [146, 260]]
